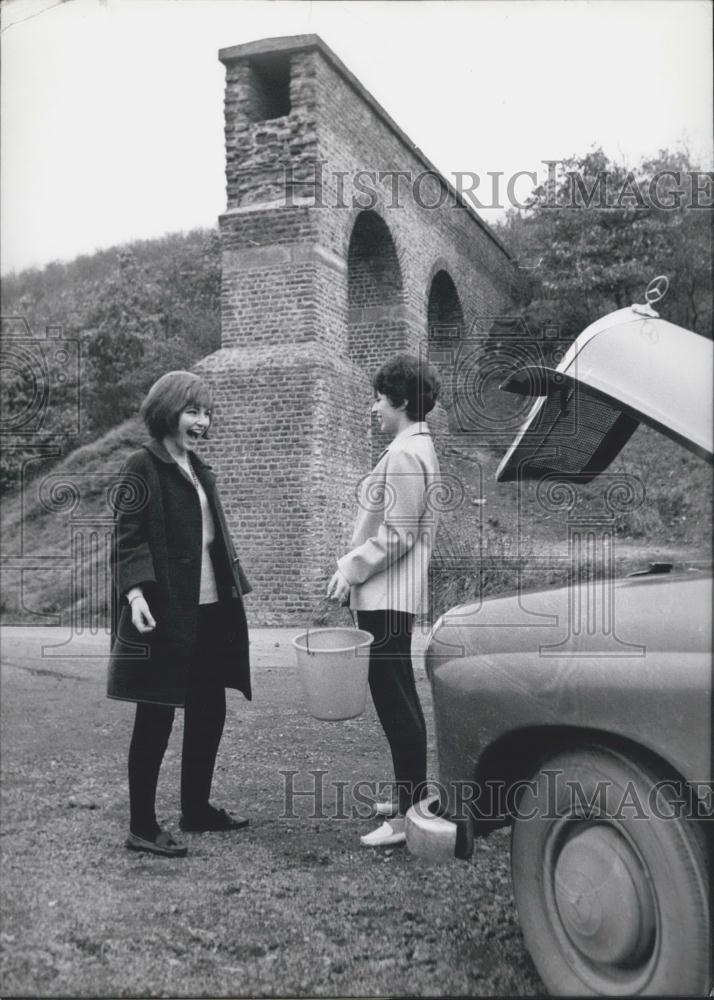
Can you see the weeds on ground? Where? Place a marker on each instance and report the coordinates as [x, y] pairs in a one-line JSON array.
[[500, 564], [676, 491]]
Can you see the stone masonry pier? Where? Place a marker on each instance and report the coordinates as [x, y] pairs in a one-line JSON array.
[[341, 245]]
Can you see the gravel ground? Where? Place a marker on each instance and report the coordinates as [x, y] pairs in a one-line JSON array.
[[291, 907]]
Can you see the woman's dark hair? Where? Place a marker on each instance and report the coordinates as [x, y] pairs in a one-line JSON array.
[[168, 398], [406, 378]]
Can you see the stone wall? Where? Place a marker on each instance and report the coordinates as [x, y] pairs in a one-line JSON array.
[[326, 273]]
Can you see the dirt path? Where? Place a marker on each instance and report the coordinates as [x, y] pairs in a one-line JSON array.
[[291, 907]]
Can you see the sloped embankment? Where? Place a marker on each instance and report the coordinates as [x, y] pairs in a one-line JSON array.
[[56, 533]]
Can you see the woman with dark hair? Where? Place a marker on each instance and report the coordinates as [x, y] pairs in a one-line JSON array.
[[179, 634], [385, 572]]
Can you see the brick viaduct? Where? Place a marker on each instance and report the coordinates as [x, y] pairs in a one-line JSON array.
[[328, 269]]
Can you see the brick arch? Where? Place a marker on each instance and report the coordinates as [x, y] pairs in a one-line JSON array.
[[439, 264], [377, 325], [374, 273], [445, 319], [375, 293], [445, 314], [356, 214]]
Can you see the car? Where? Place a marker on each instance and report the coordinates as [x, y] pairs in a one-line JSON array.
[[582, 716]]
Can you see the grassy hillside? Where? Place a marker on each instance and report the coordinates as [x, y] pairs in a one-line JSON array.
[[58, 524]]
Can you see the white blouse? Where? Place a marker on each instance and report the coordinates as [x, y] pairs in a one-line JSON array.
[[209, 591]]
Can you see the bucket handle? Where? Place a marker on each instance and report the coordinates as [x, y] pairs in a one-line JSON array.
[[325, 600]]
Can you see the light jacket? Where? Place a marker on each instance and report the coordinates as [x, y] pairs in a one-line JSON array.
[[393, 538]]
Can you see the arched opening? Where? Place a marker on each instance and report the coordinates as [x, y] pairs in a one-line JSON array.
[[445, 315], [377, 328], [374, 292], [446, 330]]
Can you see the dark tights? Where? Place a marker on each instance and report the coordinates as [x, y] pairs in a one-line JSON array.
[[393, 689], [204, 718]]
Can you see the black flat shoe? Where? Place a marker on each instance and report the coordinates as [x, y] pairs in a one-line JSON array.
[[212, 820], [163, 844]]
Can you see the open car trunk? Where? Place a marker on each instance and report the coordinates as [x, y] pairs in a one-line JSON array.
[[627, 368]]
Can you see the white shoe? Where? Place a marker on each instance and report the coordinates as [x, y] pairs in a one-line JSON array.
[[386, 808], [391, 832]]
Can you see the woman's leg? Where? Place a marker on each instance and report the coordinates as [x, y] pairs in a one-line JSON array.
[[393, 689], [204, 716], [152, 728]]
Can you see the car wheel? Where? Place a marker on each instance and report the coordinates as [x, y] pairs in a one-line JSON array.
[[611, 883]]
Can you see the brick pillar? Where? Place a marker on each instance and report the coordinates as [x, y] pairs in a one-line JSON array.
[[289, 442]]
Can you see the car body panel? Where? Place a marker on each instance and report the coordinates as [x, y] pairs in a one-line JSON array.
[[517, 663]]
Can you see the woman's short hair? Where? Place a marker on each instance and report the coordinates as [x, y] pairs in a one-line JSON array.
[[168, 398], [411, 380]]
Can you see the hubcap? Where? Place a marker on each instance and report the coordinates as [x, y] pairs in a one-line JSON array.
[[603, 897]]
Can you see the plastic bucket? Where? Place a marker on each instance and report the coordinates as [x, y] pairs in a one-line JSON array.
[[334, 664]]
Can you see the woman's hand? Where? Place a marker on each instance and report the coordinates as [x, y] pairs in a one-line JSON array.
[[141, 617], [338, 587]]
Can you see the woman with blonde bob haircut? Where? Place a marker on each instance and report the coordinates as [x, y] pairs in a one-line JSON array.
[[179, 632]]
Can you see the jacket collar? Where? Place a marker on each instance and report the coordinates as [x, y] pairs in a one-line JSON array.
[[420, 427], [159, 451]]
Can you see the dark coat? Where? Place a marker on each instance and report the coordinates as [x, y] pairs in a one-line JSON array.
[[157, 545]]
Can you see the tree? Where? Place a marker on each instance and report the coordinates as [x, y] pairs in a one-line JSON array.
[[139, 329], [114, 345], [601, 232], [137, 311]]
